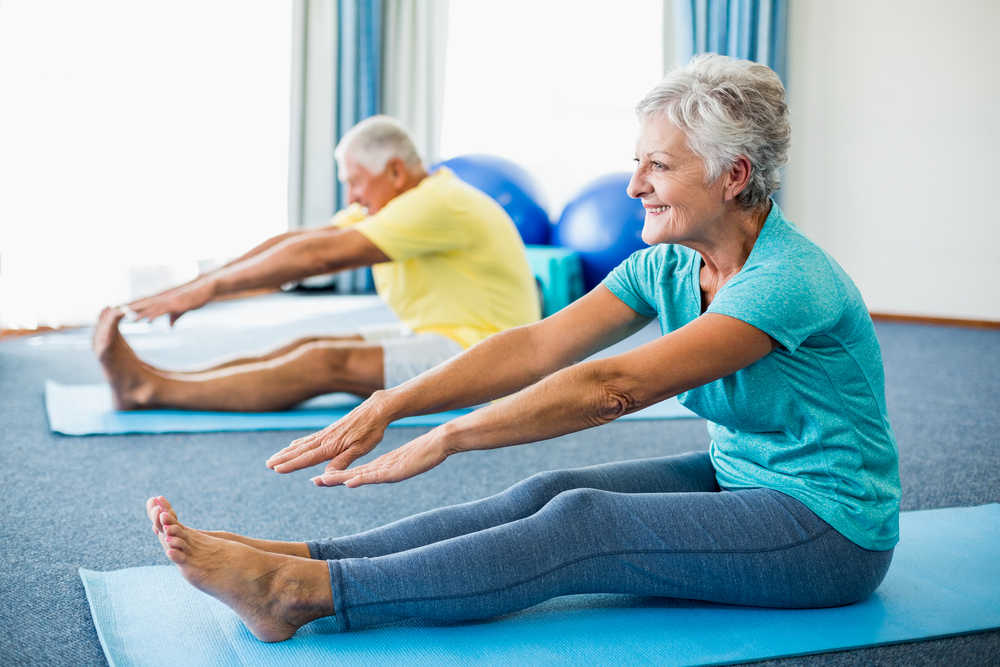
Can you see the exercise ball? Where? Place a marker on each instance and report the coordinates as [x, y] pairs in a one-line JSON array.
[[511, 186], [603, 224]]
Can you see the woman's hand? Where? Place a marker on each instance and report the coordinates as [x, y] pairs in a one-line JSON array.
[[341, 443], [415, 457]]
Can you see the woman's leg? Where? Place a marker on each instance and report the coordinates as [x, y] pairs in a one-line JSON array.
[[756, 547], [686, 472]]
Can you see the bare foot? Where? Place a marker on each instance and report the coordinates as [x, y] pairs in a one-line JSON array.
[[158, 505], [131, 382], [273, 594]]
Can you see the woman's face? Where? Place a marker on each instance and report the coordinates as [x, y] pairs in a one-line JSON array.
[[670, 180]]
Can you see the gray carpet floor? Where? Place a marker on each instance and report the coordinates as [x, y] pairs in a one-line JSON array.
[[70, 502]]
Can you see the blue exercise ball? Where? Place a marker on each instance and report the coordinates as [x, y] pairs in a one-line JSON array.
[[603, 224], [511, 186]]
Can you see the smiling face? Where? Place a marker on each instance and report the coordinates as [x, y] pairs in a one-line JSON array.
[[373, 191], [669, 178]]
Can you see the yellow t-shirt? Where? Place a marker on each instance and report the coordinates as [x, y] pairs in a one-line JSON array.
[[458, 264]]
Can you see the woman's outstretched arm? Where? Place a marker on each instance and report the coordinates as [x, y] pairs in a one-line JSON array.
[[578, 397], [497, 367]]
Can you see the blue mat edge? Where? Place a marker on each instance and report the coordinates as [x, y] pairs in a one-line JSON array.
[[87, 584], [83, 572], [298, 419]]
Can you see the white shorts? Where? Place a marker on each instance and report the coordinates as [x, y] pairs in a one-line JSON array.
[[405, 355]]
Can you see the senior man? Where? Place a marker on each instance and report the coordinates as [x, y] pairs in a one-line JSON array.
[[445, 258]]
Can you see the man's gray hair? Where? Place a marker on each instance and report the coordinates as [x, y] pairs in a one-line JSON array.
[[373, 142], [727, 108]]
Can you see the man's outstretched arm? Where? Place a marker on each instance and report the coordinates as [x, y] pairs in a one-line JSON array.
[[298, 256]]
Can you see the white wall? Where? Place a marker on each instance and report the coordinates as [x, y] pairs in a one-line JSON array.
[[896, 148]]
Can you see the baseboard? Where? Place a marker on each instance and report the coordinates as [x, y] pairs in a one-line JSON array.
[[938, 321], [16, 333]]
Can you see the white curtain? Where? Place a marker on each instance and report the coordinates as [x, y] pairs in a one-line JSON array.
[[312, 178], [415, 33], [413, 36]]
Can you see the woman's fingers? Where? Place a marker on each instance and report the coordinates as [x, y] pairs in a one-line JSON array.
[[301, 446], [341, 446], [408, 461]]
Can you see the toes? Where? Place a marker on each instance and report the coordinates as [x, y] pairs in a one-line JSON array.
[[165, 504], [170, 524], [157, 506], [176, 556]]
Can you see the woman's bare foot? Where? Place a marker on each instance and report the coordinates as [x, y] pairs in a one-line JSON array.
[[132, 383], [273, 594], [158, 505]]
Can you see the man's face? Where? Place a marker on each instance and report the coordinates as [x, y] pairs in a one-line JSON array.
[[373, 191]]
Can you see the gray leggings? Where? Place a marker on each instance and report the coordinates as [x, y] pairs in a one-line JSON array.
[[658, 527]]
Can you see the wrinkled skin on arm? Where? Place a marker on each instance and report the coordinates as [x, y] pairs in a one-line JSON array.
[[578, 397]]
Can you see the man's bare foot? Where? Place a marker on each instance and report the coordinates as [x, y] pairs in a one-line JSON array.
[[273, 594], [158, 505], [132, 383]]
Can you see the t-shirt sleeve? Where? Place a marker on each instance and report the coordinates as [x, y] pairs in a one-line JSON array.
[[788, 300], [414, 224], [346, 217], [629, 281]]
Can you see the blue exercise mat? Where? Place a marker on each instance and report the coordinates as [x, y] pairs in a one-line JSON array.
[[86, 409], [942, 582]]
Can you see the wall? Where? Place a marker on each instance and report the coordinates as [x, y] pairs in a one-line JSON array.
[[894, 163]]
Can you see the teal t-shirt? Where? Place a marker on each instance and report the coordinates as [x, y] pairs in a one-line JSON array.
[[809, 419]]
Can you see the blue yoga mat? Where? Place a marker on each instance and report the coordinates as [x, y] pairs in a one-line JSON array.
[[86, 409], [942, 582]]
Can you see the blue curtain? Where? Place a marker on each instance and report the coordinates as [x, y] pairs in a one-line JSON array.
[[359, 79], [748, 29]]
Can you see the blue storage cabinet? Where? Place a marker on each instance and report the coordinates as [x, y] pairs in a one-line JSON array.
[[559, 273]]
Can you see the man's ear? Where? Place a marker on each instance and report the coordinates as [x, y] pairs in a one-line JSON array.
[[398, 173]]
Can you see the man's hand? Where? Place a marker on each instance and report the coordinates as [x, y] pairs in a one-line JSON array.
[[176, 301], [341, 443]]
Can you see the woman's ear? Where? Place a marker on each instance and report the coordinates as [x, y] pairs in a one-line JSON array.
[[738, 177]]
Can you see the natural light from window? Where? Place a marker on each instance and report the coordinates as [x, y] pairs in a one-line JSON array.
[[135, 134], [550, 85]]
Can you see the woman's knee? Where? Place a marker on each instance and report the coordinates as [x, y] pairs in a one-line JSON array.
[[542, 487], [334, 358], [581, 505]]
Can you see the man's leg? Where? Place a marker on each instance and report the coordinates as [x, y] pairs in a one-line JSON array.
[[270, 355], [316, 368]]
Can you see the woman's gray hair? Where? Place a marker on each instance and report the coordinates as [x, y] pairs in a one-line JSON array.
[[373, 142], [727, 108]]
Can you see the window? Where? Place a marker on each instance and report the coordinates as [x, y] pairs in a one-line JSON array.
[[134, 135], [550, 85]]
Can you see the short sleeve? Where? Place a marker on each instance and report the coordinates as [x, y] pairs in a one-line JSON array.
[[346, 217], [413, 224], [788, 300], [629, 281]]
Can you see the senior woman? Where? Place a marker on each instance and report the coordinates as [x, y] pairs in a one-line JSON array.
[[764, 335]]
